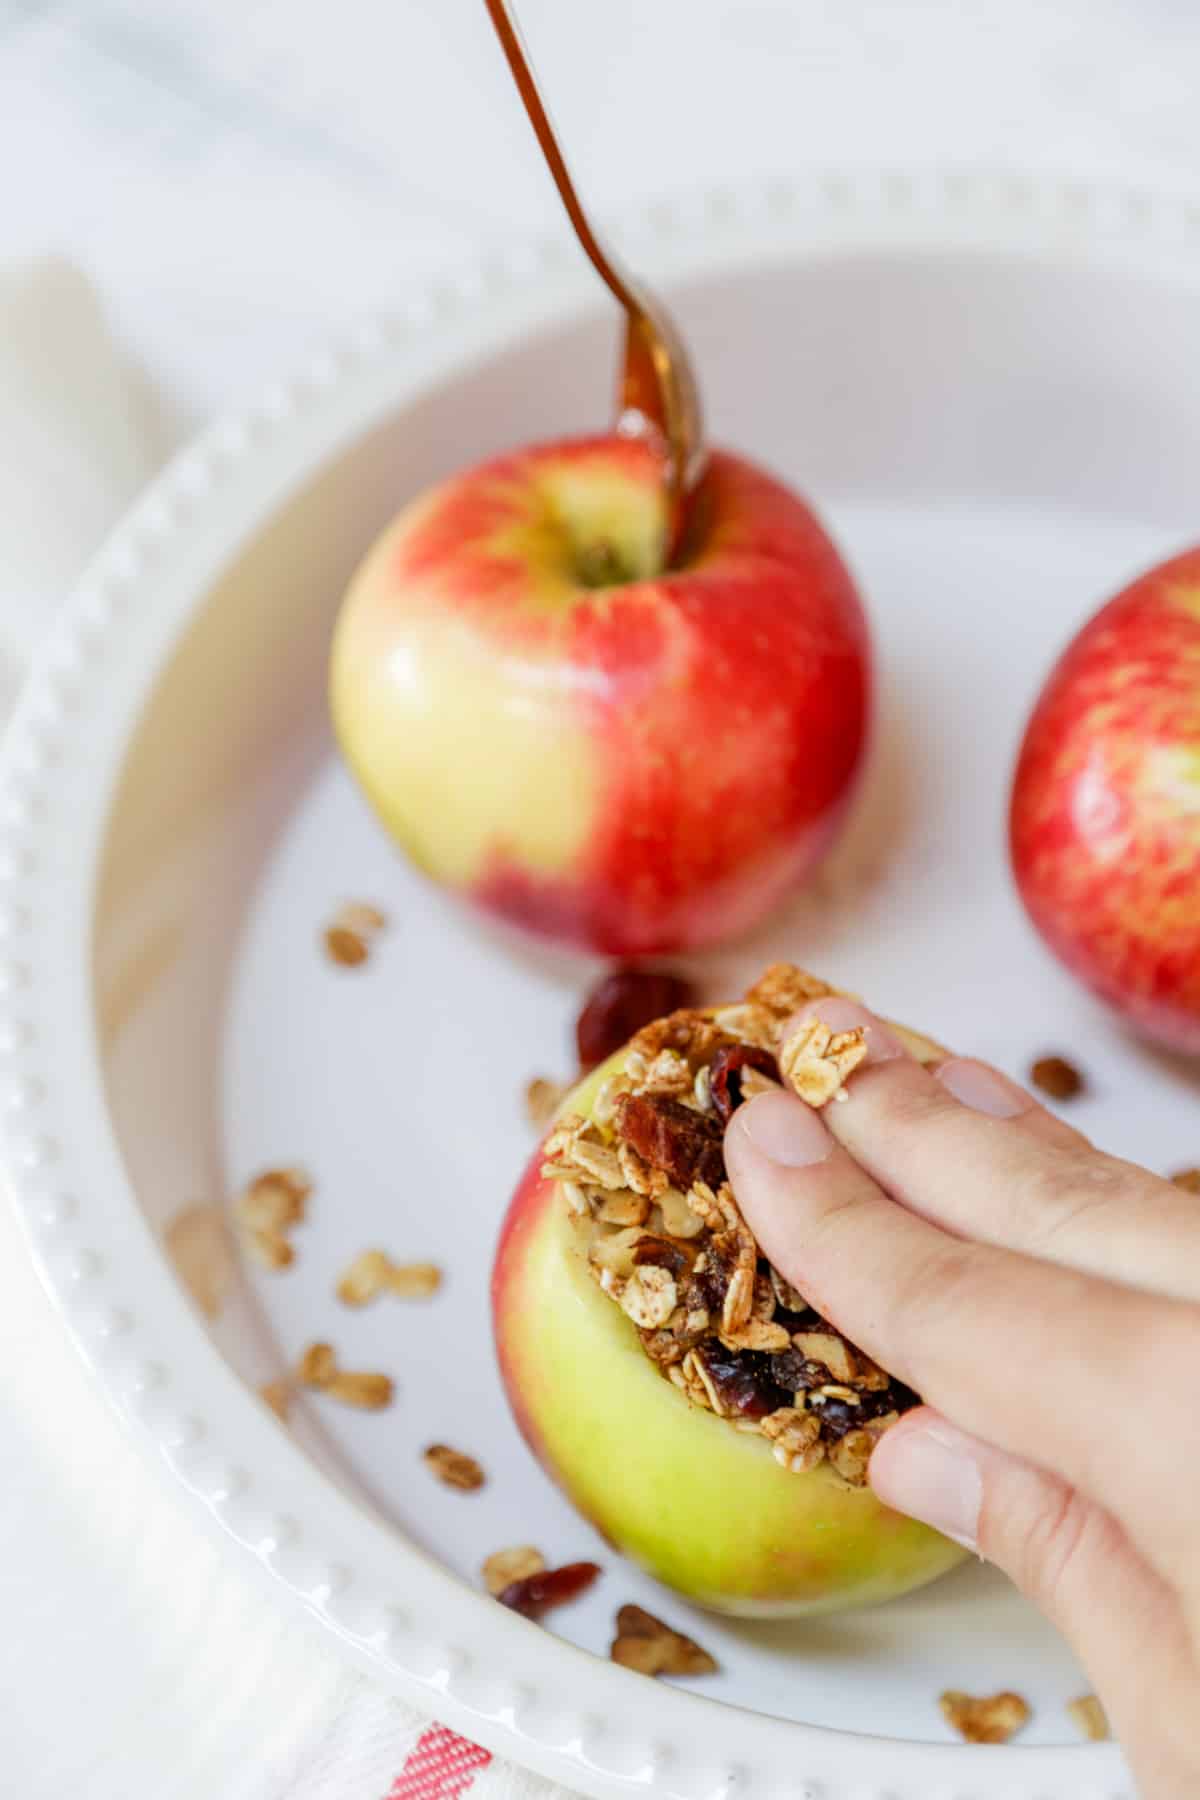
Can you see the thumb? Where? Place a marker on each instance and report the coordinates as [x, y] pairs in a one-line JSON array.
[[1067, 1555]]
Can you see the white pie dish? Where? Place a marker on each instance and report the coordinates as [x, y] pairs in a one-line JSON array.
[[167, 1026]]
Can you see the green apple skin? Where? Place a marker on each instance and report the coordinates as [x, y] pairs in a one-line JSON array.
[[703, 1508]]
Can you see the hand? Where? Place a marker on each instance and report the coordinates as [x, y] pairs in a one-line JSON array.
[[1045, 1301]]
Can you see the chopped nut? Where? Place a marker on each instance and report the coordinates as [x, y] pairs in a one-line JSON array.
[[348, 935], [795, 1437], [827, 1348], [503, 1567], [533, 1596], [543, 1098], [1090, 1717], [816, 1061], [677, 1216], [625, 1208], [278, 1396], [615, 1252], [366, 1277], [850, 1456], [1188, 1180], [649, 1296], [371, 1392], [454, 1467], [991, 1719], [198, 1245], [648, 1645], [317, 1367], [1056, 1077]]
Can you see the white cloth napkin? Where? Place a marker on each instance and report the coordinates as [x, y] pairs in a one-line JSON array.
[[136, 1657]]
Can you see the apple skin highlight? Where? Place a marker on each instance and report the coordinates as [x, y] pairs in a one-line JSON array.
[[606, 755], [700, 1506]]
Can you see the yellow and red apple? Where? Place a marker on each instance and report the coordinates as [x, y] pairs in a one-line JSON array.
[[594, 747], [1105, 817], [703, 1507]]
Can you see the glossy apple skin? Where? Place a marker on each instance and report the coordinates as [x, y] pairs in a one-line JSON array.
[[1105, 816], [704, 1508], [634, 768]]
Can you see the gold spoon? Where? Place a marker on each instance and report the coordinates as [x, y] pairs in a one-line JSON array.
[[658, 398]]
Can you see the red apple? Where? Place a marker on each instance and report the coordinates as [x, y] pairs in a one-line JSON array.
[[702, 1506], [1105, 821], [611, 754]]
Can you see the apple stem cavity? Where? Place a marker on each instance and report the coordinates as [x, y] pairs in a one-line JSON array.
[[598, 565]]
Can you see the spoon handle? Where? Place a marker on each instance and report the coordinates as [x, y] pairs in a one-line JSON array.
[[658, 396]]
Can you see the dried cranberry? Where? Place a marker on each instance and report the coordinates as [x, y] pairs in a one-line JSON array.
[[743, 1381], [536, 1594], [668, 1135], [621, 1004], [725, 1081]]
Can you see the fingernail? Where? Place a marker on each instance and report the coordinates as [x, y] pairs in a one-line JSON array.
[[841, 1014], [784, 1130], [931, 1472], [984, 1090]]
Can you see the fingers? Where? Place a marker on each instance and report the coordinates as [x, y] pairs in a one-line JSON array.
[[970, 1149], [1014, 1349], [1077, 1566]]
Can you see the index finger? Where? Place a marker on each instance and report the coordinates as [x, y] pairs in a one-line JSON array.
[[1067, 1370]]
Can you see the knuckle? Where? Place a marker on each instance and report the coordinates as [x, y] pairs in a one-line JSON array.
[[941, 1284], [1059, 1544]]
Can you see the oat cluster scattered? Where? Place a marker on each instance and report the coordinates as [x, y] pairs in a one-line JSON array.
[[648, 1645], [278, 1396], [503, 1567], [267, 1210], [644, 1182], [318, 1368], [1188, 1180], [454, 1468], [989, 1719], [350, 933], [373, 1273]]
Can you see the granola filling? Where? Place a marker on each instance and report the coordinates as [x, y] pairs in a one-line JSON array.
[[644, 1181]]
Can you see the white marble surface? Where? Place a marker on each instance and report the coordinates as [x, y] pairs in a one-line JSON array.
[[240, 179]]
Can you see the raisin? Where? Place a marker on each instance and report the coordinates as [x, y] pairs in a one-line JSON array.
[[742, 1378], [621, 1004], [668, 1135], [725, 1081], [536, 1594], [1056, 1077]]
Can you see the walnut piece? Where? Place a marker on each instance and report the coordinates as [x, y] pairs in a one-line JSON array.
[[503, 1567], [1055, 1076], [1090, 1717], [816, 1061], [651, 1647], [1188, 1180], [266, 1210], [989, 1719], [454, 1467]]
